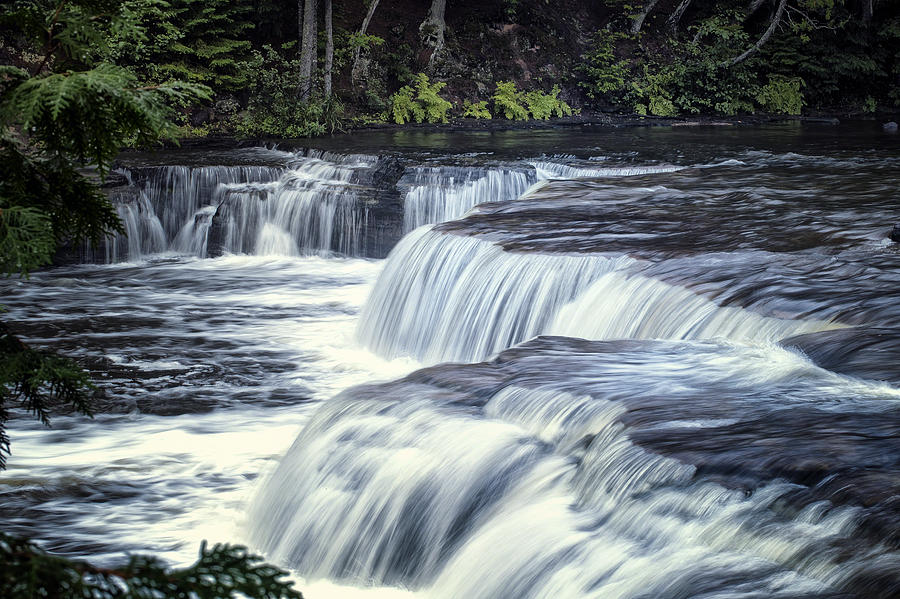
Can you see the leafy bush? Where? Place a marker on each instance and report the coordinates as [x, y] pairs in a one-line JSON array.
[[404, 107], [543, 106], [520, 106], [476, 110], [427, 105], [651, 94], [782, 94], [509, 101], [606, 74], [273, 108]]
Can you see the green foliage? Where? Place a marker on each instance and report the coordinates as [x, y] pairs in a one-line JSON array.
[[518, 105], [404, 108], [509, 101], [346, 43], [274, 110], [427, 105], [36, 380], [88, 115], [605, 73], [651, 94], [782, 95], [199, 41], [476, 110], [543, 106], [83, 32], [224, 571], [53, 124]]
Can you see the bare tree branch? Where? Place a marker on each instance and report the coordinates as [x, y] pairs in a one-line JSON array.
[[776, 19], [675, 18], [639, 18], [354, 70]]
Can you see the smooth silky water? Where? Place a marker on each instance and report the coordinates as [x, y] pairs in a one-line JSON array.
[[666, 436]]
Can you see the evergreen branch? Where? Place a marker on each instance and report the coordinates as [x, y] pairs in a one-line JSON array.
[[224, 571]]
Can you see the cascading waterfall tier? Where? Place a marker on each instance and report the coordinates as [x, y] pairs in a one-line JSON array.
[[523, 477], [438, 194], [311, 205], [312, 208], [443, 193], [447, 297]]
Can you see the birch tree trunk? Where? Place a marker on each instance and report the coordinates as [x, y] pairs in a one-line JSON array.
[[308, 50], [329, 48], [639, 19], [773, 25], [675, 18], [356, 68]]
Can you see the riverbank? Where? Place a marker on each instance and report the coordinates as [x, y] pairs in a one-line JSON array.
[[585, 120]]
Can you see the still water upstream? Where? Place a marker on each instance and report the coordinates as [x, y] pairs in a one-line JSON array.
[[649, 362]]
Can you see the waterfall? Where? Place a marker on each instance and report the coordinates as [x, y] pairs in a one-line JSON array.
[[623, 306], [309, 206], [443, 193], [313, 208], [448, 297], [444, 297], [144, 233], [555, 170], [392, 484], [439, 194]]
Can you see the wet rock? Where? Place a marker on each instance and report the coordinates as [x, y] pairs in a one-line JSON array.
[[867, 353], [890, 127], [895, 233]]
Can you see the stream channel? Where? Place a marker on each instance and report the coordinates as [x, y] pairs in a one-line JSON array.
[[612, 363]]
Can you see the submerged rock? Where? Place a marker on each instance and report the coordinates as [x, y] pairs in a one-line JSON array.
[[890, 127], [868, 353]]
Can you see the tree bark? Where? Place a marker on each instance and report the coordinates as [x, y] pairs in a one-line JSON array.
[[308, 50], [329, 48], [776, 19], [355, 69], [754, 6], [639, 19], [300, 27], [433, 28], [675, 18], [867, 12]]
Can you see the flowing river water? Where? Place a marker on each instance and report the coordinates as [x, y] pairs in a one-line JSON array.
[[649, 362]]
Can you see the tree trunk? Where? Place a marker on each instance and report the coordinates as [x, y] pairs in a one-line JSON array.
[[355, 69], [776, 19], [639, 19], [308, 50], [433, 28], [867, 12], [329, 48], [754, 6], [675, 18], [300, 27]]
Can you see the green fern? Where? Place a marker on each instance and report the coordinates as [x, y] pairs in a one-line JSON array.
[[509, 101], [476, 110], [426, 106]]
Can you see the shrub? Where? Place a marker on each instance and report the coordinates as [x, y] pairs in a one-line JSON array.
[[273, 108], [509, 101], [476, 110], [543, 106], [427, 105], [606, 75], [782, 94]]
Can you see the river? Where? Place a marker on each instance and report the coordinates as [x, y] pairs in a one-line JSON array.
[[638, 362]]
